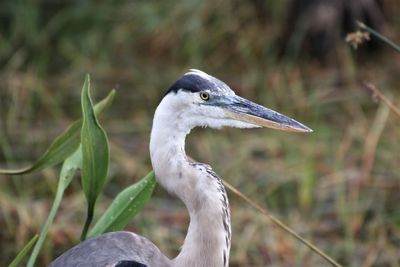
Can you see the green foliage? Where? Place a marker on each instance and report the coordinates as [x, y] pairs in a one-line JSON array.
[[58, 151], [68, 171], [64, 145], [89, 152], [125, 206], [21, 255], [95, 155]]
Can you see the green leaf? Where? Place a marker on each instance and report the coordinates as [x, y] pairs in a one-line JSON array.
[[125, 206], [95, 155], [17, 260], [64, 145], [68, 170]]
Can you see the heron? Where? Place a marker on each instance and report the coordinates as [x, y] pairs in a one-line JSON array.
[[196, 99]]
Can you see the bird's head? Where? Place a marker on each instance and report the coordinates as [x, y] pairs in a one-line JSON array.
[[199, 99]]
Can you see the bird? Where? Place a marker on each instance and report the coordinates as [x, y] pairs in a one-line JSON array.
[[196, 99]]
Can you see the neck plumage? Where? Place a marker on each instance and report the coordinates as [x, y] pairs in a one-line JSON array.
[[207, 242]]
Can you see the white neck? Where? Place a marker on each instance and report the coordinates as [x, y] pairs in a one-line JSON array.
[[207, 242]]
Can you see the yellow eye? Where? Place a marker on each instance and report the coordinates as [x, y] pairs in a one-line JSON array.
[[204, 96]]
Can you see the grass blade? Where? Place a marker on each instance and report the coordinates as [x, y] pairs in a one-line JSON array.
[[125, 206], [68, 170], [95, 155], [21, 255], [64, 145]]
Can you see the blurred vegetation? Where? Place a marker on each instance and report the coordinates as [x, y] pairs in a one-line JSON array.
[[338, 186]]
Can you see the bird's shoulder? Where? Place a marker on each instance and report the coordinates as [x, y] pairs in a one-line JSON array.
[[111, 249]]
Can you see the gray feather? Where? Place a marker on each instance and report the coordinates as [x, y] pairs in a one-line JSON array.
[[111, 248]]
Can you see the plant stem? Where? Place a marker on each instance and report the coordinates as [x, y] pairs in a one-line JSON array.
[[377, 93], [379, 36], [64, 180], [281, 225], [89, 219]]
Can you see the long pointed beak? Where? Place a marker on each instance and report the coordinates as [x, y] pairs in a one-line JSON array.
[[241, 109]]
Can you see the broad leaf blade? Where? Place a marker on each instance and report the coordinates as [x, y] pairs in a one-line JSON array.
[[68, 170], [125, 206], [64, 145], [95, 154], [21, 255]]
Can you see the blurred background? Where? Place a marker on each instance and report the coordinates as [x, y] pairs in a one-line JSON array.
[[338, 187]]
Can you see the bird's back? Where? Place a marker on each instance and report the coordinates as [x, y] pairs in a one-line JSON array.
[[111, 248]]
